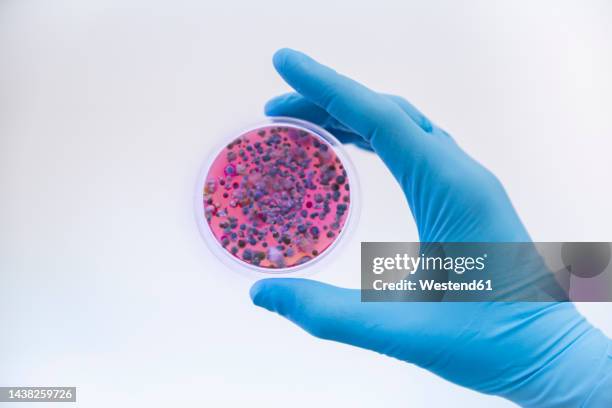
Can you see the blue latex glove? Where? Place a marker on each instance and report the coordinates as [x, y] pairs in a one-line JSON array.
[[535, 354]]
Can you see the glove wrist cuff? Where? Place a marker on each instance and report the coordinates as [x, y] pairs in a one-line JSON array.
[[579, 376], [601, 395]]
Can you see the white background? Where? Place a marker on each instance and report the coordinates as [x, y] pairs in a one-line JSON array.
[[108, 108]]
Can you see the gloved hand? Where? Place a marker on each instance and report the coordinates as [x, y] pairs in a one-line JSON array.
[[535, 354]]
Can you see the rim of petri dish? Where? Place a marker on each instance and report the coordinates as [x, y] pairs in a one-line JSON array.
[[305, 268]]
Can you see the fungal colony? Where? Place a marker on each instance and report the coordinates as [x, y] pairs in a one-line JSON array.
[[276, 197]]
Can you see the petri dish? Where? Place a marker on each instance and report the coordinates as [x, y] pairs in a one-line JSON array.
[[277, 197]]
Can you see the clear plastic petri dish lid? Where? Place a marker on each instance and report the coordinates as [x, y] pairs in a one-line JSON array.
[[277, 198]]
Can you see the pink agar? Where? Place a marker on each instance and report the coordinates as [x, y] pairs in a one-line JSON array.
[[276, 197]]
